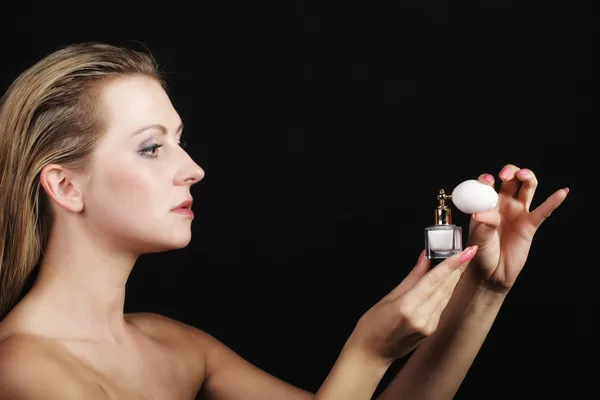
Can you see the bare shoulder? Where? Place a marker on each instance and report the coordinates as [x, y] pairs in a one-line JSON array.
[[189, 338], [184, 342], [34, 368], [169, 330], [222, 365]]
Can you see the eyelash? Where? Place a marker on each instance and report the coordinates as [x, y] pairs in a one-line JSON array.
[[145, 151]]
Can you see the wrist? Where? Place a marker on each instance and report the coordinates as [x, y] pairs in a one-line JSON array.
[[482, 289], [360, 356]]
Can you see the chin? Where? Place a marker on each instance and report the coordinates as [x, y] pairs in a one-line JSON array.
[[180, 242], [172, 243], [163, 247]]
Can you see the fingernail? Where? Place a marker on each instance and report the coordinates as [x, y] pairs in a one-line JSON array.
[[524, 172], [421, 256], [468, 254], [566, 190], [504, 173], [488, 178]]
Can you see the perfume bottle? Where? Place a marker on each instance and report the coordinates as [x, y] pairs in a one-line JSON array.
[[443, 239]]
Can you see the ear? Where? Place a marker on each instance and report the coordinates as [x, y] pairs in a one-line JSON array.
[[62, 187]]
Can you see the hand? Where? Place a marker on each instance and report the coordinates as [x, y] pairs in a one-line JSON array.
[[411, 312], [504, 234]]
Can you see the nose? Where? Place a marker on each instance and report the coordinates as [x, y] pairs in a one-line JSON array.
[[192, 174]]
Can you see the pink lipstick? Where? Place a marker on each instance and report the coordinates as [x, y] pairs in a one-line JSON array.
[[185, 208]]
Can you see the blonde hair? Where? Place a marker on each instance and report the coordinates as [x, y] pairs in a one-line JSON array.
[[50, 115]]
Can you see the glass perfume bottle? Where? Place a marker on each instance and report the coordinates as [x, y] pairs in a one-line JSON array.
[[443, 239]]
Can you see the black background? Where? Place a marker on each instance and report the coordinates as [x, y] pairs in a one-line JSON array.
[[325, 131]]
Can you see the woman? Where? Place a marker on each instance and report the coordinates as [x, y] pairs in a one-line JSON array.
[[93, 175]]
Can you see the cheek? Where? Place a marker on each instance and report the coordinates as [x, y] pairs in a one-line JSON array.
[[125, 193]]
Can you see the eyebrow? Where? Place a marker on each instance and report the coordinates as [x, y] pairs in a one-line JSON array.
[[163, 129]]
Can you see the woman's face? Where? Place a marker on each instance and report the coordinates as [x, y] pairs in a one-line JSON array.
[[139, 171]]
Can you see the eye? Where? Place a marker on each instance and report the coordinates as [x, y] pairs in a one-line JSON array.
[[150, 151]]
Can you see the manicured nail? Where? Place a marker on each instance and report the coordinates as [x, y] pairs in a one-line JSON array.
[[468, 254], [421, 256], [504, 173], [524, 172], [488, 178], [566, 190]]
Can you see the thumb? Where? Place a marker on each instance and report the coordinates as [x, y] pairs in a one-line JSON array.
[[485, 225], [419, 270]]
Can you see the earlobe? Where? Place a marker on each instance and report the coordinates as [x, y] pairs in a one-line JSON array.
[[61, 187]]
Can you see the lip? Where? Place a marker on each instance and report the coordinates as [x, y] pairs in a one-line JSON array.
[[186, 204], [185, 208], [184, 211]]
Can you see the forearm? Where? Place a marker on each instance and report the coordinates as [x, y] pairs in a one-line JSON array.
[[439, 365], [353, 377]]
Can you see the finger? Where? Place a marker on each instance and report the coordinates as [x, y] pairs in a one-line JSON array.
[[528, 186], [483, 226], [418, 271], [490, 219], [487, 179], [440, 299], [444, 291], [429, 283], [510, 183], [544, 210]]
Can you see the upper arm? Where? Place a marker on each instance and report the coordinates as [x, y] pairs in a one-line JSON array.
[[231, 377], [29, 372]]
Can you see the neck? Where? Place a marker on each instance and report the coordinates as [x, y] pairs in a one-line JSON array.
[[80, 289]]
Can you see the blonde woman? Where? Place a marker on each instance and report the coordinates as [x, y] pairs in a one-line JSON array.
[[94, 174]]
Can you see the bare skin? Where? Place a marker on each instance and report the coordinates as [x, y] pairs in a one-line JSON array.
[[153, 362], [68, 337], [159, 358]]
